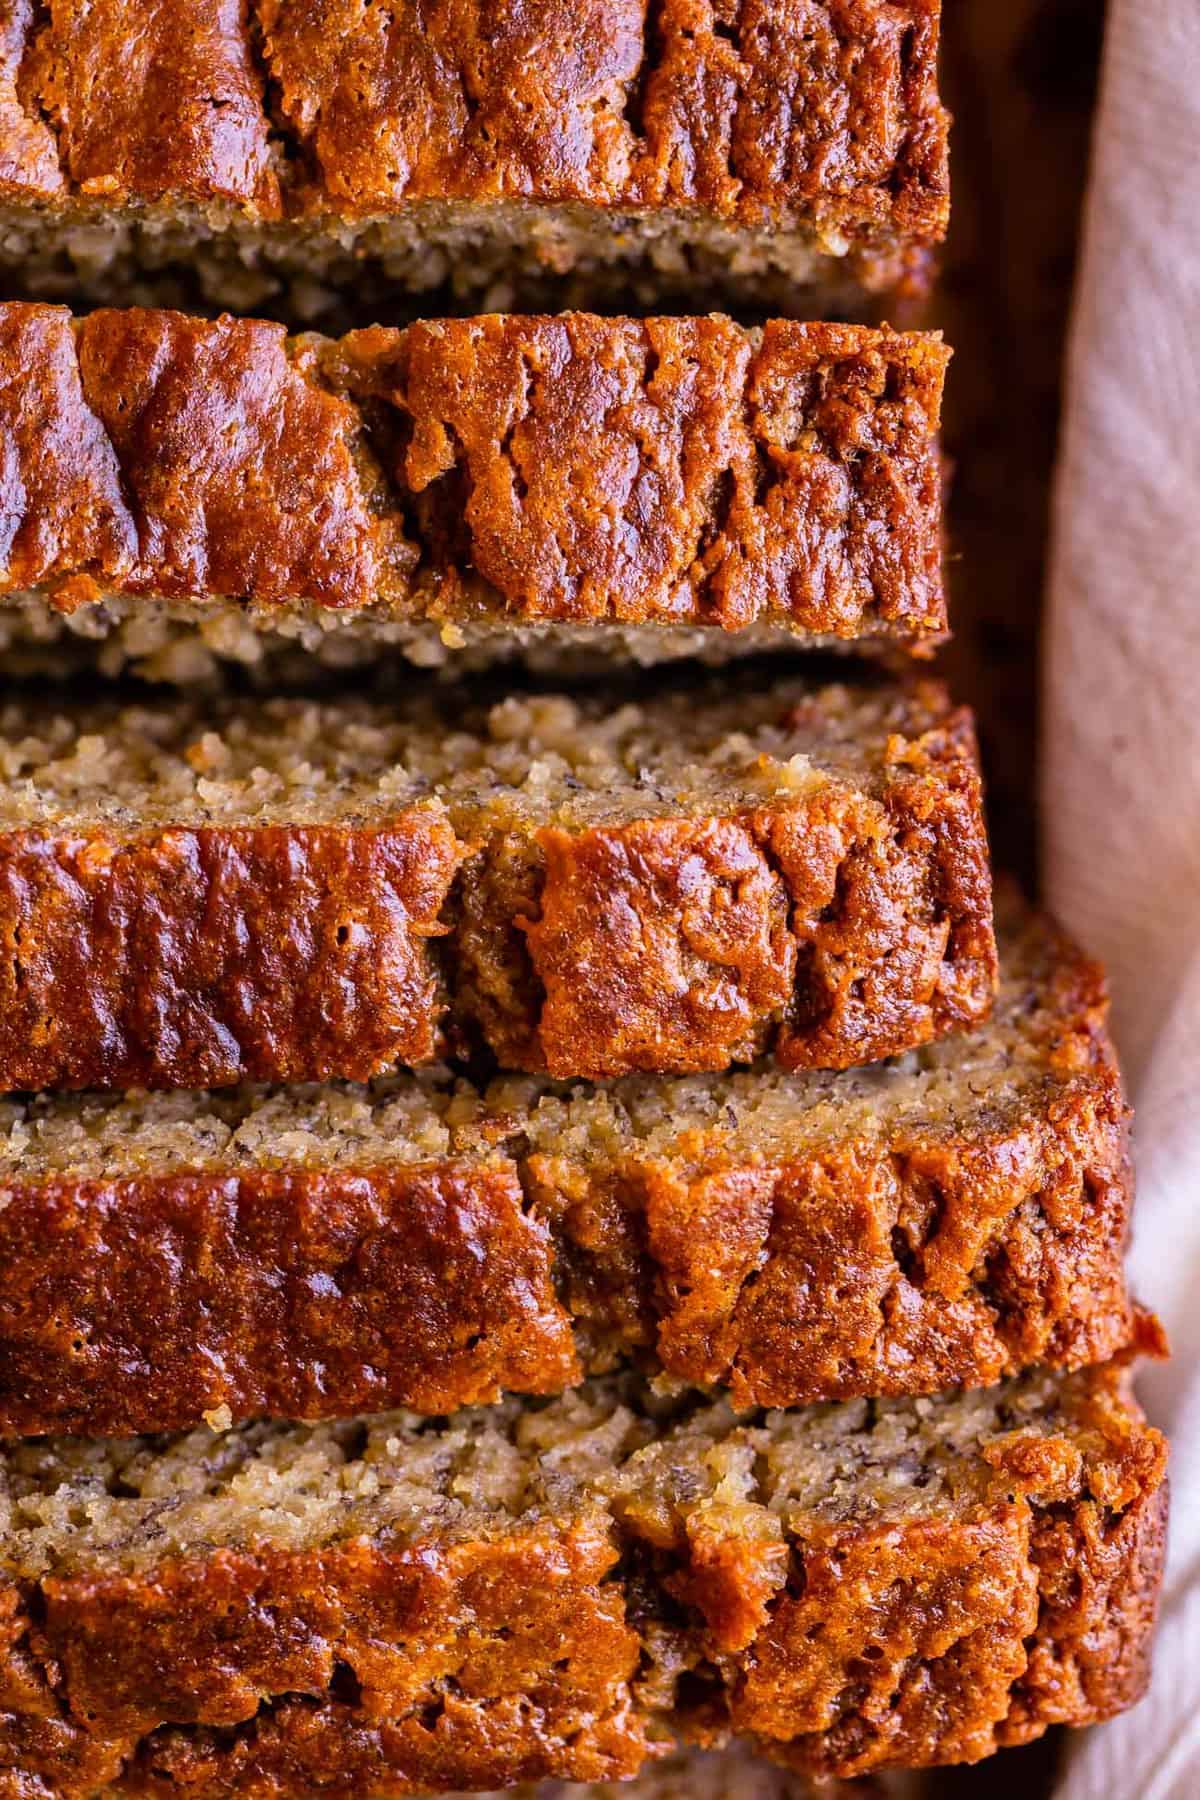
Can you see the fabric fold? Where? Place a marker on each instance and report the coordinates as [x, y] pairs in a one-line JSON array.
[[1120, 789]]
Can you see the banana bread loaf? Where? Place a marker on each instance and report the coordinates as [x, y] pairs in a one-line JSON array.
[[188, 492], [946, 1220], [562, 1589], [301, 148], [286, 890]]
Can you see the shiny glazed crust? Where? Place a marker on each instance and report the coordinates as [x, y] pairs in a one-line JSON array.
[[820, 117], [835, 924], [923, 1258], [846, 1645], [485, 472]]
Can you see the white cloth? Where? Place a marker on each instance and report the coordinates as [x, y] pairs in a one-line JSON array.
[[1121, 761]]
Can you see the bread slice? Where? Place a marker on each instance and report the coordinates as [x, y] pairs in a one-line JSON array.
[[286, 890], [186, 493], [944, 1220], [559, 1590], [302, 151]]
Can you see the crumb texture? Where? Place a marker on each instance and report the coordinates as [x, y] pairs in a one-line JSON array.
[[558, 1590], [951, 1217], [442, 486], [290, 891]]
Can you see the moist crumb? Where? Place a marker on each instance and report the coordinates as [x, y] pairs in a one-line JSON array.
[[575, 756], [71, 1504]]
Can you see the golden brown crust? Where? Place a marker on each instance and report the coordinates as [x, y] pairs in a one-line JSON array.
[[548, 470], [444, 1647], [958, 1594], [192, 958], [825, 114], [277, 1293], [28, 153], [154, 102], [516, 1655], [879, 962], [684, 103], [919, 1262], [240, 475]]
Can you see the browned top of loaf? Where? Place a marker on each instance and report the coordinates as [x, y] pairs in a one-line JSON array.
[[571, 468], [825, 110]]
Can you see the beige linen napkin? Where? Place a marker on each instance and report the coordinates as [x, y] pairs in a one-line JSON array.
[[1121, 758]]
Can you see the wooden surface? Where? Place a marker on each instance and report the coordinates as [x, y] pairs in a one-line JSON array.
[[1020, 77]]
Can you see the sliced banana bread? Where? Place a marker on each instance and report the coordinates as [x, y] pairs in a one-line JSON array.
[[285, 890], [943, 1220], [560, 1589], [304, 148], [180, 493]]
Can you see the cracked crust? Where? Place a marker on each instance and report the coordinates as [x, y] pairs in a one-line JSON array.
[[215, 954], [661, 137], [691, 1579], [288, 891], [794, 1238], [459, 481]]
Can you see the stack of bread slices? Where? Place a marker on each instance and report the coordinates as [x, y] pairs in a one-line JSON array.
[[550, 1228]]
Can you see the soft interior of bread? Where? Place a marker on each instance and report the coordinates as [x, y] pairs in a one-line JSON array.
[[403, 1119], [606, 1449], [494, 256], [186, 642], [544, 758], [960, 1086]]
